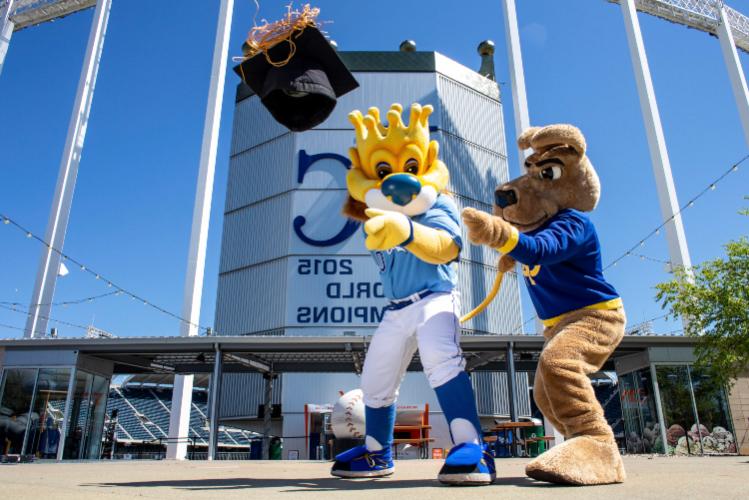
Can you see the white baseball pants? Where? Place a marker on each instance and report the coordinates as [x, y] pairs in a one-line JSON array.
[[431, 324]]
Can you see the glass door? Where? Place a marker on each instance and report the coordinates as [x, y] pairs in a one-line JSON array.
[[15, 415], [86, 423], [715, 429], [48, 409], [678, 410]]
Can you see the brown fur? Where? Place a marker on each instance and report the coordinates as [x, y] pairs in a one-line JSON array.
[[582, 340], [540, 199], [354, 210]]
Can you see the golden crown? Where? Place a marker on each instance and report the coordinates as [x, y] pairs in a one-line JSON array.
[[372, 134]]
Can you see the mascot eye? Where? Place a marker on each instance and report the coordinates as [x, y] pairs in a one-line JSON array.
[[383, 170], [412, 166], [551, 173]]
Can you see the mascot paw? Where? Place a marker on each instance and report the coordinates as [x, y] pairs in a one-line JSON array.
[[580, 461], [480, 226], [386, 229]]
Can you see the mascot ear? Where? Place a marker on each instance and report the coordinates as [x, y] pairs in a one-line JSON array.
[[353, 154], [524, 141], [355, 210], [556, 135], [432, 152]]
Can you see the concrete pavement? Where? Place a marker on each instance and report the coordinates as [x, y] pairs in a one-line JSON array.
[[657, 478]]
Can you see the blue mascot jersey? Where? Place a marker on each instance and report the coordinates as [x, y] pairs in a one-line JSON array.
[[562, 266], [403, 274]]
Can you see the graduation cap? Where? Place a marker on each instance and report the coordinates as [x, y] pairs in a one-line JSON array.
[[301, 93]]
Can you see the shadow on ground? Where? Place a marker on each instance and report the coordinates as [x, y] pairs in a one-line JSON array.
[[310, 485]]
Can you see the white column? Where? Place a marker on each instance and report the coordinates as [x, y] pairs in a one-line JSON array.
[[735, 72], [49, 264], [519, 99], [517, 77], [677, 241], [6, 30], [182, 395]]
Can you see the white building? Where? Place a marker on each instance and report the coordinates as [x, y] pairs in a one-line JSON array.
[[292, 265]]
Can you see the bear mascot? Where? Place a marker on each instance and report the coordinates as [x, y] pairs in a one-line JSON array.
[[540, 221], [397, 187]]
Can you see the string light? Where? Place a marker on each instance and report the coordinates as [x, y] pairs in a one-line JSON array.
[[647, 257], [4, 325], [9, 221], [657, 230], [63, 303], [22, 311]]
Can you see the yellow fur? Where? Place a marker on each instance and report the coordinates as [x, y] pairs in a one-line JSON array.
[[385, 230], [396, 144], [432, 245]]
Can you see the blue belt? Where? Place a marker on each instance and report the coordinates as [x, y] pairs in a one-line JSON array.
[[396, 305]]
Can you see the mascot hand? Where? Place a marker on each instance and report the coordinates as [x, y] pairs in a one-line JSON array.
[[486, 229], [386, 229]]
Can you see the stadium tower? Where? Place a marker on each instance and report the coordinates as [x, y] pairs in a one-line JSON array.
[[292, 265]]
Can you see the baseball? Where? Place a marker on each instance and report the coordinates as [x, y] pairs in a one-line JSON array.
[[347, 420]]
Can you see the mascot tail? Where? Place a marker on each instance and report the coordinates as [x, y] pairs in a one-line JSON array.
[[493, 293]]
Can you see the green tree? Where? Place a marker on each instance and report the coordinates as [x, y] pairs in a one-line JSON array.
[[715, 298]]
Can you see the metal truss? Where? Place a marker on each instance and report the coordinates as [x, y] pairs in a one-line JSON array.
[[703, 15], [27, 13]]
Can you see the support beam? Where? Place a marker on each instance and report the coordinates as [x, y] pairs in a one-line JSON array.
[[182, 395], [677, 241], [511, 381], [658, 406], [49, 263], [511, 391], [517, 76], [267, 414], [215, 404], [6, 30], [735, 71], [66, 415], [179, 417]]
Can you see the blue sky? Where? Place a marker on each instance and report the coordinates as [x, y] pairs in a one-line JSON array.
[[133, 203]]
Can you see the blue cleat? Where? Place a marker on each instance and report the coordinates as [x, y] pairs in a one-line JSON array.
[[468, 464], [360, 462]]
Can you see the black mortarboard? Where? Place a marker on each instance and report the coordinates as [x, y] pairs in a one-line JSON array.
[[302, 93]]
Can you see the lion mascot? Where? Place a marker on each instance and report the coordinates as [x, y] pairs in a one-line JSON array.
[[397, 188], [540, 221]]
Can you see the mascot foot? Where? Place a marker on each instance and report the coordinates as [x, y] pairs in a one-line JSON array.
[[360, 462], [468, 464], [581, 461]]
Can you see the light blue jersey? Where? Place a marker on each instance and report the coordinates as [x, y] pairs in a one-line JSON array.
[[403, 274]]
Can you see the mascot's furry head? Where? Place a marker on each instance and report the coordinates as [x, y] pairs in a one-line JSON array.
[[394, 166], [558, 175]]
